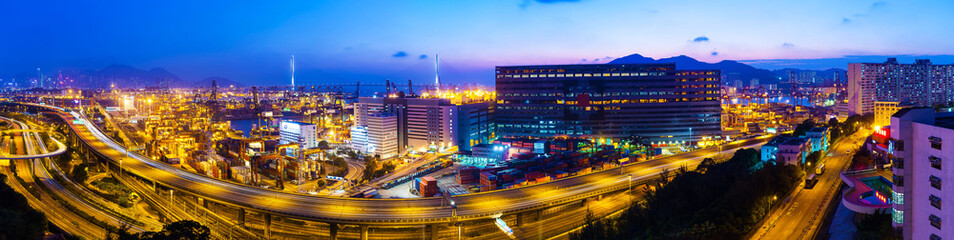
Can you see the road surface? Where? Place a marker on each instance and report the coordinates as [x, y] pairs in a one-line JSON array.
[[801, 217]]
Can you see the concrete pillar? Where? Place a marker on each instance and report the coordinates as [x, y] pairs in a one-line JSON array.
[[433, 229], [364, 232], [203, 202], [519, 220], [599, 197], [333, 231], [241, 217], [268, 225]]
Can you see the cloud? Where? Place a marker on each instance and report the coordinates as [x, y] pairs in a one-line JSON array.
[[400, 54], [701, 39], [878, 4], [423, 56], [845, 21], [714, 53], [556, 1], [788, 45], [526, 3], [583, 60]]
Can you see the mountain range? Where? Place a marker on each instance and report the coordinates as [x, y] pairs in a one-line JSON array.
[[122, 76], [731, 70]]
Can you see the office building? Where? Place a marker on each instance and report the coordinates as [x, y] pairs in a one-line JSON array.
[[922, 84], [304, 134], [612, 101], [432, 123], [382, 134], [359, 138]]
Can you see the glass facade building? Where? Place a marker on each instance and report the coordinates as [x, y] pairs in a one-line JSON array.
[[615, 101]]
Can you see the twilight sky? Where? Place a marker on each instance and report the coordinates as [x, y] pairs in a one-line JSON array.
[[354, 40]]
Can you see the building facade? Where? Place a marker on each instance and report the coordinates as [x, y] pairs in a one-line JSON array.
[[432, 123], [921, 140], [884, 109], [614, 101], [304, 134], [382, 134], [922, 84]]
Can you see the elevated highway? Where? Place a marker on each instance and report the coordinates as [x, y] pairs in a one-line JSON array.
[[378, 212]]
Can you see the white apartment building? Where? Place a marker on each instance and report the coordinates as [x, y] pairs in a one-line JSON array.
[[922, 141], [922, 84]]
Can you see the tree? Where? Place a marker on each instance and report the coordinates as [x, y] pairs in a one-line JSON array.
[[803, 127], [79, 173], [814, 158], [186, 230], [181, 230], [17, 219], [323, 144]]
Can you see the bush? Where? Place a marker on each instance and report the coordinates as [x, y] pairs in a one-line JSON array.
[[114, 191]]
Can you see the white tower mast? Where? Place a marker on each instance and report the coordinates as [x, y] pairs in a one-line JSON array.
[[293, 70], [437, 72]]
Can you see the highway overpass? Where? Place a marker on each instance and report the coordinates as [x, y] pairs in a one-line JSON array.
[[432, 212]]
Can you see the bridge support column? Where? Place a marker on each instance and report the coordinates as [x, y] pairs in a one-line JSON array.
[[203, 202], [333, 231], [433, 230], [268, 225], [241, 217], [364, 232], [599, 197], [519, 220]]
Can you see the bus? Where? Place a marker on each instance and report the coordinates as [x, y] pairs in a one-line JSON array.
[[810, 181], [820, 169]]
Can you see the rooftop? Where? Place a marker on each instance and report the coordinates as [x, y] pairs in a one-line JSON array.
[[945, 122]]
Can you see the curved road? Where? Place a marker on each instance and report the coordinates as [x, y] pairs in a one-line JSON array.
[[383, 211]]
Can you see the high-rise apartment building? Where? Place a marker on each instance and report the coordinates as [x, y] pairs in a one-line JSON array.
[[615, 101], [922, 84], [921, 141]]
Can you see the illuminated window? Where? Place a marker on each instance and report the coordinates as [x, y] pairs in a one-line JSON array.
[[897, 216]]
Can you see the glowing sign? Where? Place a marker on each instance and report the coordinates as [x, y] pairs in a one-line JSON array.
[[882, 131], [77, 122]]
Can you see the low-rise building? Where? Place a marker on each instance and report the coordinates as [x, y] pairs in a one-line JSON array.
[[819, 137], [793, 151]]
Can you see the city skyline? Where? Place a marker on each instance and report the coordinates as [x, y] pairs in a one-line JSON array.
[[347, 41]]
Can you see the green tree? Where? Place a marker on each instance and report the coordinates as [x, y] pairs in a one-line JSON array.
[[80, 173], [17, 219], [323, 144], [803, 127], [181, 230]]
